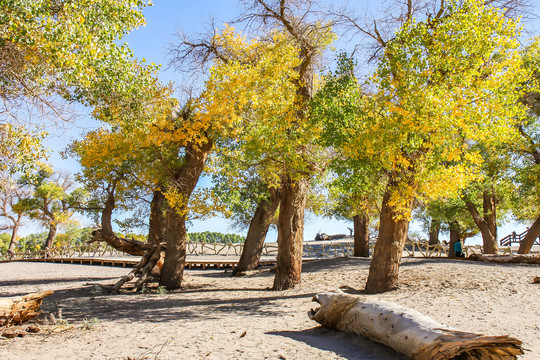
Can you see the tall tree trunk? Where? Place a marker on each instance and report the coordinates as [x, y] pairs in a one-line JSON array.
[[361, 235], [434, 230], [528, 242], [290, 233], [183, 181], [487, 223], [384, 268], [258, 228], [50, 237], [156, 229], [13, 241], [106, 214], [455, 232], [490, 203]]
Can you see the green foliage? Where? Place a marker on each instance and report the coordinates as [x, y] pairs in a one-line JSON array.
[[446, 211], [441, 87], [215, 237], [5, 238], [73, 236], [355, 183], [53, 200], [32, 242], [68, 49]]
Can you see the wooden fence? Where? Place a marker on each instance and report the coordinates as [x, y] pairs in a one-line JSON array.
[[311, 250]]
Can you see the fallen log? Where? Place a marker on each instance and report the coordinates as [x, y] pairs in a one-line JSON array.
[[408, 331], [19, 309], [514, 258]]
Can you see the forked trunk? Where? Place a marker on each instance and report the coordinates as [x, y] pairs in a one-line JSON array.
[[258, 228], [157, 218], [455, 232], [290, 234], [50, 237], [384, 268], [528, 242], [434, 230], [183, 181], [486, 223], [361, 235]]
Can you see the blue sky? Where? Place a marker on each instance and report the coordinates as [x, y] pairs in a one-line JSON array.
[[164, 19]]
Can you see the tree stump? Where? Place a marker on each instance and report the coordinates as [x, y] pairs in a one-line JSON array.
[[19, 309], [408, 331]]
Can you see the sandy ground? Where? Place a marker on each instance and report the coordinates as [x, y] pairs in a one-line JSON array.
[[219, 317]]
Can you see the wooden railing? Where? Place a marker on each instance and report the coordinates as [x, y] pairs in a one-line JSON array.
[[514, 238], [311, 250]]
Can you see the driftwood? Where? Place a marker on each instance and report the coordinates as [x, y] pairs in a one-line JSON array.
[[323, 236], [408, 331], [19, 309], [514, 258], [536, 280]]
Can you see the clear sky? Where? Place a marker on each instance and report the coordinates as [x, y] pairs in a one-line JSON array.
[[151, 42]]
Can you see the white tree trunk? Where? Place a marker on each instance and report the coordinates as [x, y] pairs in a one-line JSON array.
[[514, 258], [408, 331]]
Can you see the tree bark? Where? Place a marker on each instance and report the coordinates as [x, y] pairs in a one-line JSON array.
[[290, 233], [183, 180], [258, 228], [157, 218], [434, 230], [13, 241], [408, 331], [487, 223], [384, 268], [455, 232], [490, 203], [528, 242], [361, 235], [50, 237], [19, 309]]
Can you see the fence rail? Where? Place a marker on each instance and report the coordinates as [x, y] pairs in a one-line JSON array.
[[514, 238], [311, 250]]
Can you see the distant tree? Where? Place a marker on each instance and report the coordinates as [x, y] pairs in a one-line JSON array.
[[53, 201], [11, 192], [214, 237]]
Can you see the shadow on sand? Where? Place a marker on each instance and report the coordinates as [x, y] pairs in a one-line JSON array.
[[349, 346]]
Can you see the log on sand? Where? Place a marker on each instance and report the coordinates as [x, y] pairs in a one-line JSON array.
[[408, 331], [19, 309], [515, 258]]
